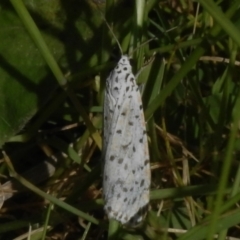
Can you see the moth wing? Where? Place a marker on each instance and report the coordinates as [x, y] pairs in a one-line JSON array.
[[127, 171], [109, 103]]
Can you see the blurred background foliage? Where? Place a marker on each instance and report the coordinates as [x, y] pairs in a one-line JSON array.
[[52, 77]]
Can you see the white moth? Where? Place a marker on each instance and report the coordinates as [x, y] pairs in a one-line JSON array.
[[126, 174]]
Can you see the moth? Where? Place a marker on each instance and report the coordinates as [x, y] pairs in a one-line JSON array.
[[126, 170]]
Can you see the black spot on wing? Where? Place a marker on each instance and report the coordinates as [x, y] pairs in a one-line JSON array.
[[120, 160], [142, 183], [134, 200], [126, 77], [138, 217], [146, 162]]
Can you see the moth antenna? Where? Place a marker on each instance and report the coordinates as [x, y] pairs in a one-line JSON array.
[[120, 48], [142, 44], [110, 29]]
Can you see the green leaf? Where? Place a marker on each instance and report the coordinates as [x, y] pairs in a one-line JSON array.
[[25, 80]]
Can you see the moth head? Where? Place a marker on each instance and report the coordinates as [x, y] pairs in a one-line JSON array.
[[124, 60]]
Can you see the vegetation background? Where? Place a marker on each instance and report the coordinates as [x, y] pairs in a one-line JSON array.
[[54, 58]]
